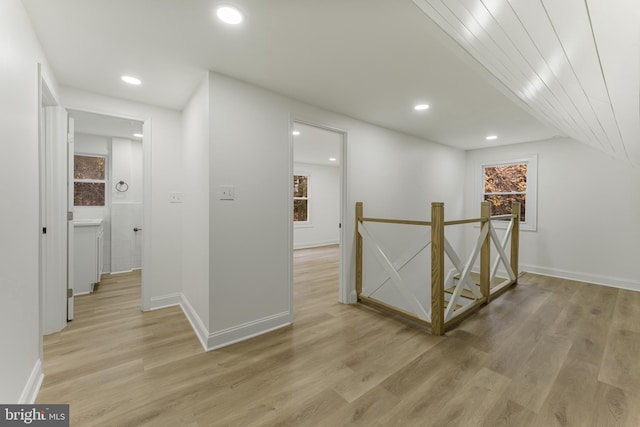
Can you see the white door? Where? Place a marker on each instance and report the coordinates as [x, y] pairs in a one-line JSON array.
[[54, 217], [70, 191]]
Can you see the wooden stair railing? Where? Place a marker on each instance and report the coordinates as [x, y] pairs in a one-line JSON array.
[[466, 295]]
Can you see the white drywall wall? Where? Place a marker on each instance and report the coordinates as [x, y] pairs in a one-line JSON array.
[[588, 210], [20, 352]]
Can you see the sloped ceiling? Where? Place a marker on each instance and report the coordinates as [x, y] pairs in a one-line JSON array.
[[573, 63]]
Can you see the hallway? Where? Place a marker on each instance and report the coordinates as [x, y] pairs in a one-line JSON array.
[[548, 352]]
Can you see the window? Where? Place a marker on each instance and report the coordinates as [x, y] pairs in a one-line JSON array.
[[89, 180], [301, 198], [514, 181]]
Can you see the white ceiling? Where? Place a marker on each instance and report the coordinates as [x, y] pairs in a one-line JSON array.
[[369, 59], [316, 146]]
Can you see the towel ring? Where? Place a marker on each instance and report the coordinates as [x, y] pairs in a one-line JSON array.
[[122, 186]]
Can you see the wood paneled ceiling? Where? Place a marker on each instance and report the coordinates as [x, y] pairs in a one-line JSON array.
[[574, 64]]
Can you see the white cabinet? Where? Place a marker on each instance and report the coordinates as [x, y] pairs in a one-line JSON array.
[[88, 254]]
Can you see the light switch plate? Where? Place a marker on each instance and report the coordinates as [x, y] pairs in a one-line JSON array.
[[175, 197], [227, 192]]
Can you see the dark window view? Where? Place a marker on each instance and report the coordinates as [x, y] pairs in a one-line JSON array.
[[300, 198], [503, 185], [89, 181]]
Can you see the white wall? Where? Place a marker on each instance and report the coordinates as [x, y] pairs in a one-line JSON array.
[[395, 175], [94, 144], [162, 251], [20, 52], [588, 210], [126, 206], [85, 143], [195, 225], [324, 207]]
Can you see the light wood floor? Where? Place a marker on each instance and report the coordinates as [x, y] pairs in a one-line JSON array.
[[548, 352]]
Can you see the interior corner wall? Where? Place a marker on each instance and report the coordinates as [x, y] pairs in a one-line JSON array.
[[21, 368], [394, 174], [588, 212], [195, 219], [163, 236], [324, 207]]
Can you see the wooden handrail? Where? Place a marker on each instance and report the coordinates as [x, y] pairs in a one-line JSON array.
[[429, 223], [396, 221], [442, 316], [463, 221]]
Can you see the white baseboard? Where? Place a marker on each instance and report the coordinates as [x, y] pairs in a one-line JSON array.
[[121, 271], [215, 340], [352, 299], [32, 387], [309, 245], [164, 301], [613, 282], [196, 323], [247, 330]]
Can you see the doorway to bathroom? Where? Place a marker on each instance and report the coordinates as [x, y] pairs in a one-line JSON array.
[[108, 195]]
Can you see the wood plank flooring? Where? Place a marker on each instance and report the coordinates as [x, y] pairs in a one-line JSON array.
[[549, 352]]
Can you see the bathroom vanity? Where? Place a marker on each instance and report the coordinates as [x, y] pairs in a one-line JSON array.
[[88, 254]]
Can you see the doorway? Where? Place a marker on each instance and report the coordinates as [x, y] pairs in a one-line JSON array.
[[112, 146], [319, 192]]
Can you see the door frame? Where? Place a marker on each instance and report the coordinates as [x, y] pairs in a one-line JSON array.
[[146, 196], [346, 295]]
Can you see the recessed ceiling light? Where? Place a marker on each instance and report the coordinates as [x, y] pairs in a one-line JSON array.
[[138, 135], [295, 133], [131, 80], [332, 159], [229, 15], [491, 137], [421, 107]]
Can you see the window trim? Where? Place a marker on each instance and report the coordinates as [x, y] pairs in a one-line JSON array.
[[531, 223], [104, 181], [307, 223]]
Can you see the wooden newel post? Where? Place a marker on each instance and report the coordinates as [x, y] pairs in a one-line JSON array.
[[515, 238], [359, 216], [437, 268], [485, 254]]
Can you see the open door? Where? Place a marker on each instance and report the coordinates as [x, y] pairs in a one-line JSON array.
[[70, 204], [53, 206]]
